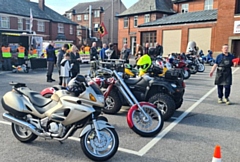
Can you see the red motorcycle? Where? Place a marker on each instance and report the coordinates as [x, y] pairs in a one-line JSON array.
[[180, 64]]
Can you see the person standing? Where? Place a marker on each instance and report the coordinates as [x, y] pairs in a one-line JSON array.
[[93, 52], [60, 56], [139, 52], [223, 77], [21, 54], [125, 53], [103, 55], [51, 59], [146, 48], [159, 50], [65, 69], [6, 55], [75, 60]]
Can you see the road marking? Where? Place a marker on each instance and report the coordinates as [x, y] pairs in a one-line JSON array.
[[155, 140], [78, 139], [189, 99]]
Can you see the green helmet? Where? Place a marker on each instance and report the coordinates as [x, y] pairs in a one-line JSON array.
[[144, 63]]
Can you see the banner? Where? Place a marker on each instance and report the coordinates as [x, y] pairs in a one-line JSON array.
[[102, 30], [31, 20], [236, 27]]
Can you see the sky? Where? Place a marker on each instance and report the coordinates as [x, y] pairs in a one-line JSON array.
[[63, 5]]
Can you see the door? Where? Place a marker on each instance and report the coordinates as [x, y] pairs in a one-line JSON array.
[[202, 37], [133, 45], [236, 48], [171, 41]]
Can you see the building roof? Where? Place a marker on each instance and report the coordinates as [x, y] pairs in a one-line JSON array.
[[141, 6], [83, 7], [189, 17], [22, 8]]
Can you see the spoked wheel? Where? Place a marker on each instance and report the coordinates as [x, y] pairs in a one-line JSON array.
[[103, 149], [23, 134], [193, 68], [186, 74], [145, 126]]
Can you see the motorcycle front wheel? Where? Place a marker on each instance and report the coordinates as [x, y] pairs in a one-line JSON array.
[[201, 68], [145, 127], [103, 149]]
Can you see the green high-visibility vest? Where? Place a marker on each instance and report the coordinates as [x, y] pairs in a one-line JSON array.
[[6, 52], [32, 56], [87, 53], [21, 55]]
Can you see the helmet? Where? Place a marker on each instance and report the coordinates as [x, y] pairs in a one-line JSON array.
[[144, 63], [75, 87]]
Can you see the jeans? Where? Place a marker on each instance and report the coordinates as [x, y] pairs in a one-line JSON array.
[[7, 64], [50, 66], [227, 91]]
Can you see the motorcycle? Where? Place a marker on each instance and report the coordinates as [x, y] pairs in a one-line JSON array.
[[164, 92], [58, 117], [143, 117], [185, 72], [20, 68]]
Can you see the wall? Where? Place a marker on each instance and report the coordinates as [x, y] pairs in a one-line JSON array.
[[54, 31]]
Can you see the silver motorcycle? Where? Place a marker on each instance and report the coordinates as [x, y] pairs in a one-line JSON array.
[[58, 117]]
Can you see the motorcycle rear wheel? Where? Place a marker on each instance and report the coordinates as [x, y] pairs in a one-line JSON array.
[[186, 74], [113, 103], [193, 68], [137, 117], [201, 68], [22, 134], [92, 147]]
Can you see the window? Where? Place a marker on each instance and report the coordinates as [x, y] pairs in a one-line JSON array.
[[124, 41], [69, 15], [4, 22], [125, 25], [237, 7], [71, 29], [27, 23], [79, 17], [185, 7], [147, 18], [60, 28], [208, 5], [85, 16], [20, 24], [40, 26], [96, 26], [135, 21], [148, 37], [96, 13]]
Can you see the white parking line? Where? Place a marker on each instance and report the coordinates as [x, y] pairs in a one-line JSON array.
[[155, 140], [77, 139]]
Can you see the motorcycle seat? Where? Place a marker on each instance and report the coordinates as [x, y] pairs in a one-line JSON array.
[[36, 98], [132, 81]]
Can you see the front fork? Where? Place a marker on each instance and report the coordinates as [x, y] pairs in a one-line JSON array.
[[96, 127]]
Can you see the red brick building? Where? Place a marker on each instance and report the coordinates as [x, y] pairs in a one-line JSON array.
[[211, 23], [102, 11], [15, 18]]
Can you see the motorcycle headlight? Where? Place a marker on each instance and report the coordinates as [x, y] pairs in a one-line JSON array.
[[174, 85]]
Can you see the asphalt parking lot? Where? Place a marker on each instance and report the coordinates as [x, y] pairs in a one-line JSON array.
[[190, 135]]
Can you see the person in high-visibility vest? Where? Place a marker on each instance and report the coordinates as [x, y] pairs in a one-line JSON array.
[[33, 53], [21, 54], [6, 55], [87, 49]]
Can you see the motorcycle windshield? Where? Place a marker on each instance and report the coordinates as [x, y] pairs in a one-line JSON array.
[[96, 88]]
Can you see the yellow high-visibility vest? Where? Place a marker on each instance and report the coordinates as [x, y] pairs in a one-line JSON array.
[[6, 52]]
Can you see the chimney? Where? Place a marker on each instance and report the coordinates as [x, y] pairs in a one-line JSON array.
[[41, 4]]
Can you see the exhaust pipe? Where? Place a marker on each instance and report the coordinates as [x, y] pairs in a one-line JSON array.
[[24, 124]]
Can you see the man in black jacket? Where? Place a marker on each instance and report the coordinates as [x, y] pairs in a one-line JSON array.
[[60, 56], [93, 52], [159, 50], [51, 60]]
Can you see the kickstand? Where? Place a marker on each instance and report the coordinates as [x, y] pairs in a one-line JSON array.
[[61, 142]]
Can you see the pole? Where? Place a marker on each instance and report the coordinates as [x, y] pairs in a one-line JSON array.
[[112, 24]]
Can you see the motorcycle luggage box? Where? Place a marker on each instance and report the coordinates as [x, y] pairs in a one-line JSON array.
[[172, 74]]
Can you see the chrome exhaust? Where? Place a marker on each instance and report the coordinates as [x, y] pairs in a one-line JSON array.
[[24, 124]]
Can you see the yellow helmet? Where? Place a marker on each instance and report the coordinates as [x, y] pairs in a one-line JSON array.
[[144, 63]]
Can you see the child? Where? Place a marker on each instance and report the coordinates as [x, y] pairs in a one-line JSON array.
[[65, 69]]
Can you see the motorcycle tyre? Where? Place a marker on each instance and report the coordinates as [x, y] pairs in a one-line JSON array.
[[29, 139], [188, 76], [203, 68], [94, 158], [194, 71], [117, 103], [166, 99], [144, 134]]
